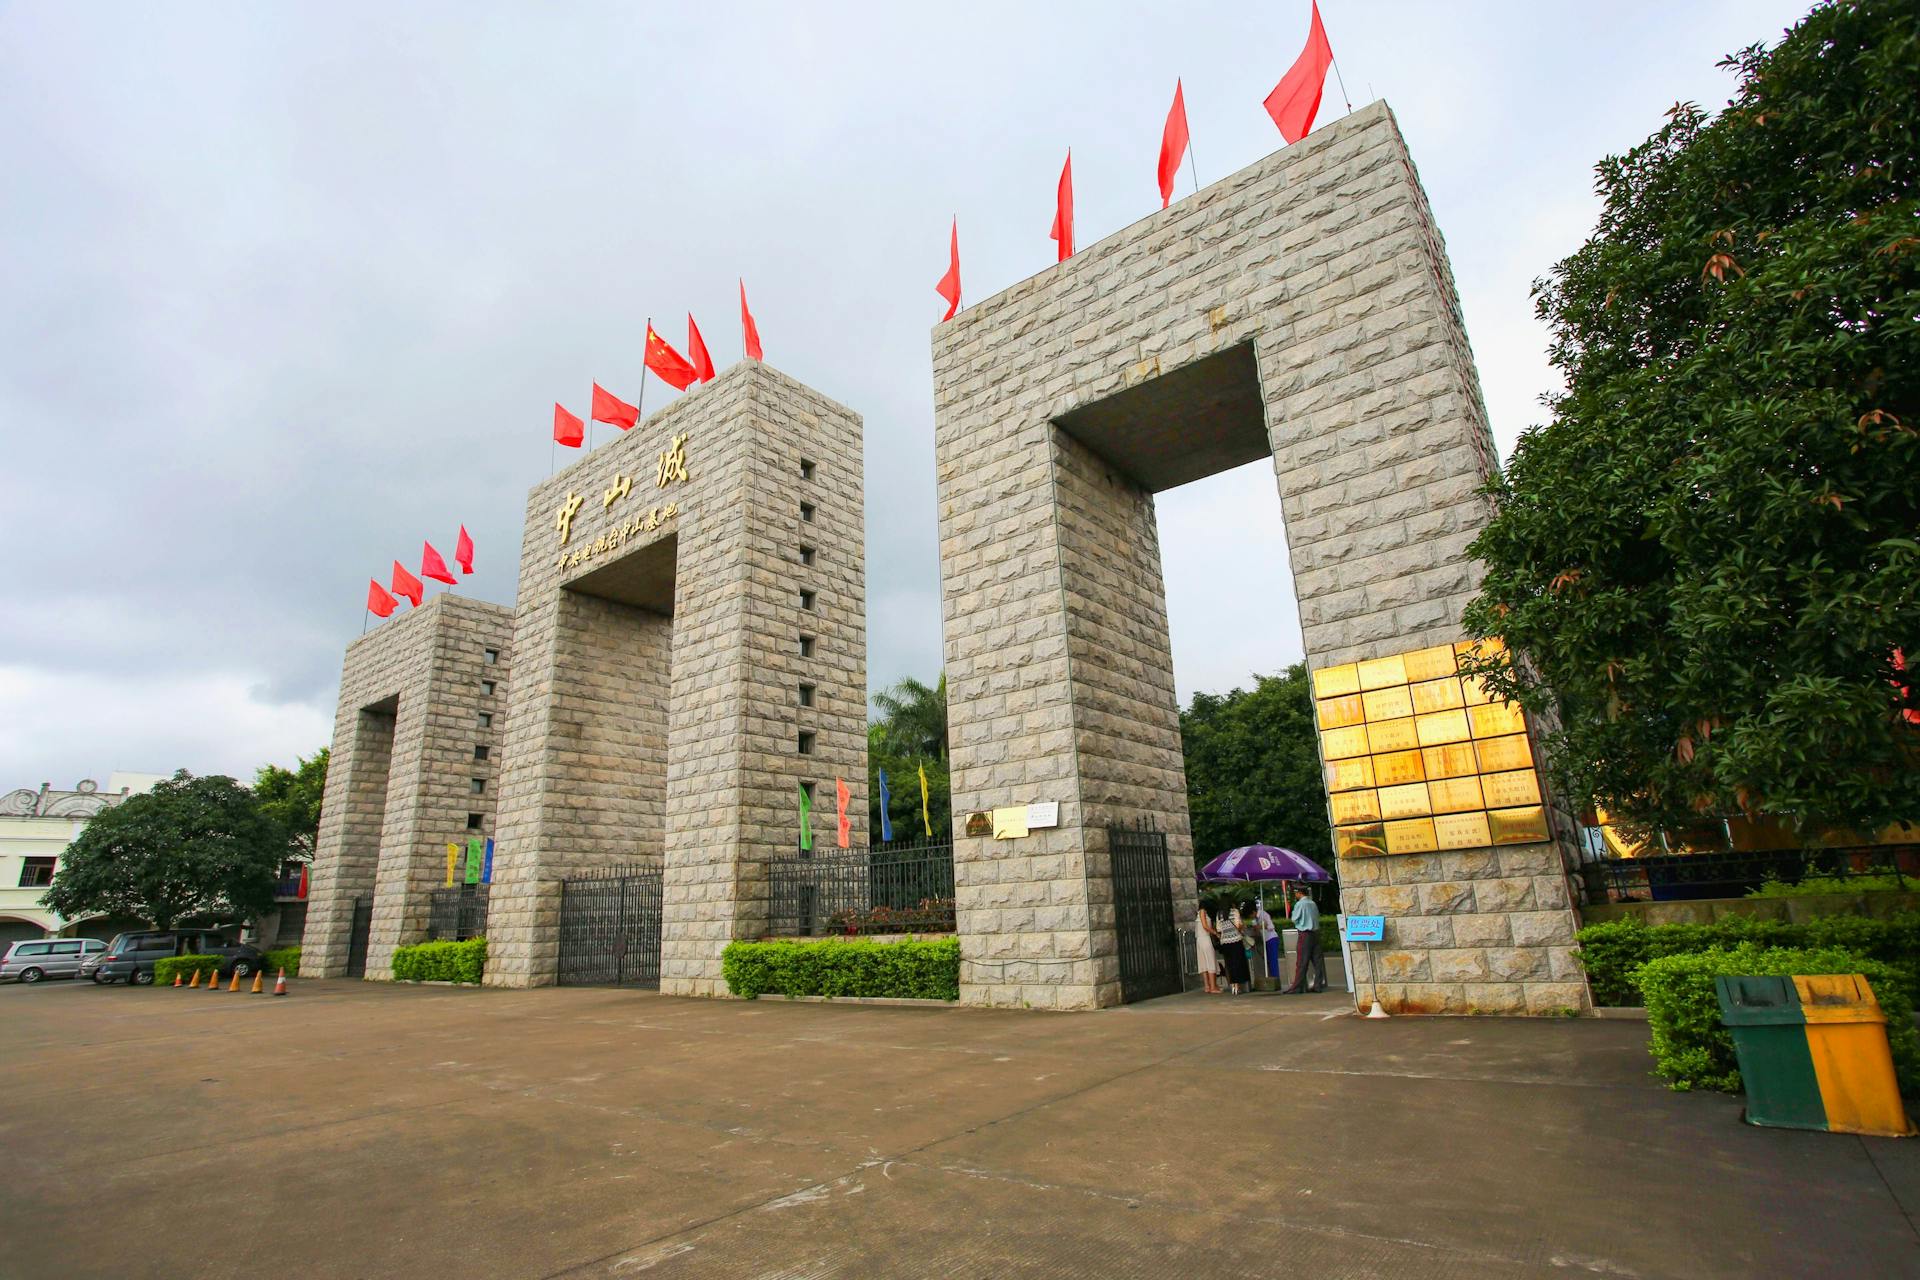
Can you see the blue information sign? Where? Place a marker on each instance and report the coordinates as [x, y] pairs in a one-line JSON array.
[[1366, 928]]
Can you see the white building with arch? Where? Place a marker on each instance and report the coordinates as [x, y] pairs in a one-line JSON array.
[[35, 828]]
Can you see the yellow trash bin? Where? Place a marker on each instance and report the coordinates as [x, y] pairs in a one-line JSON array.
[[1847, 1036]]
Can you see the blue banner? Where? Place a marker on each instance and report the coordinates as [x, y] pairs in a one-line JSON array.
[[886, 819], [486, 871]]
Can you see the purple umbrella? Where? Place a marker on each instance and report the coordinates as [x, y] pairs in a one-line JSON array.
[[1259, 862]]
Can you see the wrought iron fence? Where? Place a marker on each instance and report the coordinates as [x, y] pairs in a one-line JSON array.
[[610, 928], [1144, 931], [904, 887], [1683, 876], [456, 914]]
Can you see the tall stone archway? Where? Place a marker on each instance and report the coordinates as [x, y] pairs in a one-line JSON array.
[[1302, 309]]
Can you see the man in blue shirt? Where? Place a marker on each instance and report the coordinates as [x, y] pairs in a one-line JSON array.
[[1307, 956]]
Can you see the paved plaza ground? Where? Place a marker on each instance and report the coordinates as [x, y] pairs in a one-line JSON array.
[[365, 1130]]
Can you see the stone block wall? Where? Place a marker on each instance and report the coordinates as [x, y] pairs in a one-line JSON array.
[[401, 773], [1324, 258], [714, 586]]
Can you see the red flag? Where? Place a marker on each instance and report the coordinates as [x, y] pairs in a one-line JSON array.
[[608, 407], [303, 882], [949, 286], [750, 331], [405, 584], [463, 551], [697, 349], [567, 429], [432, 566], [1173, 144], [668, 363], [378, 600], [1296, 99], [846, 826], [1063, 211]]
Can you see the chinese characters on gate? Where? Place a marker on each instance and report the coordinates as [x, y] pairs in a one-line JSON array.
[[672, 469]]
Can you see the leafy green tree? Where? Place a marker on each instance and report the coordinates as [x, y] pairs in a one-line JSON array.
[[911, 733], [189, 848], [292, 798], [1708, 556], [1253, 771]]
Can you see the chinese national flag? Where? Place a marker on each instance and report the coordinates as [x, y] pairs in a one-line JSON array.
[[463, 551], [405, 584], [1173, 144], [379, 600], [608, 407], [949, 286], [668, 363], [1063, 211], [1296, 99], [749, 331], [432, 566], [567, 429], [697, 351]]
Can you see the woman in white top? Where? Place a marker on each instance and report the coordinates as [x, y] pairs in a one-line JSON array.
[[1203, 953]]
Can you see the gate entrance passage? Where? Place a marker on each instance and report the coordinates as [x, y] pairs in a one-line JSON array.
[[1144, 935], [1302, 310], [610, 929]]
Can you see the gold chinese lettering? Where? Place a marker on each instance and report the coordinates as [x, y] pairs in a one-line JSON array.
[[563, 518], [622, 486], [673, 461]]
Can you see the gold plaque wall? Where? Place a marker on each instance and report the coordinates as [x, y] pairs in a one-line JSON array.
[[1419, 758]]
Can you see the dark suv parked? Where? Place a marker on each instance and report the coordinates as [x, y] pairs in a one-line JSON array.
[[130, 956]]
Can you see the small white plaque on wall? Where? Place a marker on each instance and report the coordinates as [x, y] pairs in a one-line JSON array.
[[1044, 813]]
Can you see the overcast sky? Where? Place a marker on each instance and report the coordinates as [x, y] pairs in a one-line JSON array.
[[285, 289]]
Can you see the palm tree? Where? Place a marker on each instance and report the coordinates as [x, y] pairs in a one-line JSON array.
[[914, 718]]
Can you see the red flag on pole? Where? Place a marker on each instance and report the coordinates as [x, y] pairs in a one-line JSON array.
[[1063, 210], [1173, 144], [1296, 99], [846, 826], [378, 600], [432, 566], [949, 286], [608, 407], [567, 429], [463, 551], [405, 584], [668, 363], [750, 331], [697, 351]]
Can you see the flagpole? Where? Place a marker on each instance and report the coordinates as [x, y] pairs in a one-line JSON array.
[[1338, 78], [366, 618], [640, 405]]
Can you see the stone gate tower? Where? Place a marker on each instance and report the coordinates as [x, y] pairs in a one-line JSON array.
[[1302, 310]]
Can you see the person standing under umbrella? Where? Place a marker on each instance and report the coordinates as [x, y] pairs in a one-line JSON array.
[[1234, 951], [1203, 953], [1307, 957], [1272, 935]]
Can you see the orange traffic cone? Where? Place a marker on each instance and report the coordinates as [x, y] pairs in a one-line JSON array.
[[234, 983], [213, 979], [257, 978], [280, 984], [176, 977], [194, 983]]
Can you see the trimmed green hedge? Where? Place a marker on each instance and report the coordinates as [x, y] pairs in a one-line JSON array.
[[185, 966], [1610, 952], [1693, 1051], [287, 958], [1824, 886], [912, 969], [441, 961]]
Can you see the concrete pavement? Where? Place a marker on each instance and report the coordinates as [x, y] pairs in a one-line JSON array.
[[358, 1129]]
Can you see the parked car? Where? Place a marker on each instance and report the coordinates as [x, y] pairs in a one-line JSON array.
[[130, 956], [48, 958]]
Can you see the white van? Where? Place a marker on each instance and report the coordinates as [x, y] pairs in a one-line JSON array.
[[48, 958]]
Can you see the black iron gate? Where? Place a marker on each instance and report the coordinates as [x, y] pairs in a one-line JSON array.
[[357, 940], [610, 929], [1143, 913], [456, 914]]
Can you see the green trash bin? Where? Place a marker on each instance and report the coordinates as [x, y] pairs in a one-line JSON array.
[[1770, 1040]]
